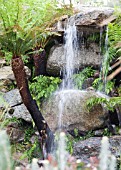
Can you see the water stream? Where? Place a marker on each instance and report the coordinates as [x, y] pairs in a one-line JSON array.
[[104, 69], [70, 48]]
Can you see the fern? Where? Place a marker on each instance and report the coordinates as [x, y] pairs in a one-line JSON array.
[[83, 75], [110, 103], [43, 86], [23, 24]]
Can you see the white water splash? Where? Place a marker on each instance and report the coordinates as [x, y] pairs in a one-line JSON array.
[[69, 53]]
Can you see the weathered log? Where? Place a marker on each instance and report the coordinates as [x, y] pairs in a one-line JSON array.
[[112, 75], [46, 135], [115, 65]]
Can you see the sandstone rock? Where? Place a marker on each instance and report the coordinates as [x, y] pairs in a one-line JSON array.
[[91, 147], [70, 106], [7, 73]]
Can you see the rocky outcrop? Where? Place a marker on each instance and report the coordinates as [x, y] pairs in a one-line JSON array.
[[88, 148], [90, 22], [92, 16], [68, 108]]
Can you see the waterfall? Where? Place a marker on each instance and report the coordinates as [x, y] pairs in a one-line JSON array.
[[70, 51], [104, 69]]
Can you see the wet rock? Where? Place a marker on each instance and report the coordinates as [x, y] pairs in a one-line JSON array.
[[91, 147], [88, 21], [98, 132], [68, 108], [85, 57]]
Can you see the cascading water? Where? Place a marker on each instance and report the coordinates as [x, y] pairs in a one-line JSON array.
[[68, 70], [69, 53], [104, 69]]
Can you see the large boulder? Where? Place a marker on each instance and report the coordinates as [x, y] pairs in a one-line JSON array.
[[68, 108], [88, 148]]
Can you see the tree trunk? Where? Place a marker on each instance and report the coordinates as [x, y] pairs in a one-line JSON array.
[[40, 63], [46, 135]]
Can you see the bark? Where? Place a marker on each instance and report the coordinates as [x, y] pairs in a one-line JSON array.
[[112, 75], [46, 135], [40, 63], [115, 65]]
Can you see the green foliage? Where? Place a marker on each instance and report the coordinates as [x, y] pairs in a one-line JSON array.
[[98, 84], [32, 149], [114, 33], [106, 132], [6, 121], [43, 87], [95, 37], [110, 103], [23, 24], [69, 143], [114, 45], [83, 75]]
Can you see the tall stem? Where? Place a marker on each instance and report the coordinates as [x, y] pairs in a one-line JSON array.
[[22, 84]]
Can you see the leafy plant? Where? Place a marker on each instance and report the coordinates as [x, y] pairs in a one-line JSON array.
[[113, 49], [110, 103], [83, 75], [32, 151], [43, 87], [98, 84]]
